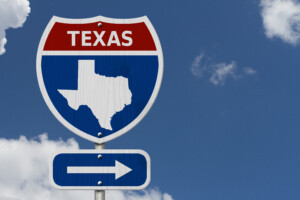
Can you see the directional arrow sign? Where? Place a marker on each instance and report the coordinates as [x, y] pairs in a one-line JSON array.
[[119, 170], [100, 169]]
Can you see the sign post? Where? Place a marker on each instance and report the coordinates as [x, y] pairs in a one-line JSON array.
[[99, 77], [100, 194]]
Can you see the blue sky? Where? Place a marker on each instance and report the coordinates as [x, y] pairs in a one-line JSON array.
[[238, 139]]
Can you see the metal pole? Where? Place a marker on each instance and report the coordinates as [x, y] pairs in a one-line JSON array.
[[100, 194]]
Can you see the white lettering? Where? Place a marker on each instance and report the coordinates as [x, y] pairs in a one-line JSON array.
[[113, 39], [85, 38], [125, 37], [99, 38], [95, 38], [73, 35]]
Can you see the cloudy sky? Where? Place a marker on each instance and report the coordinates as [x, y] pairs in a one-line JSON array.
[[225, 124]]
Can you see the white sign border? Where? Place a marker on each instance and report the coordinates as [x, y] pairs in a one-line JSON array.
[[108, 20], [102, 151]]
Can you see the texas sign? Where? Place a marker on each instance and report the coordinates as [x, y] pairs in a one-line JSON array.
[[99, 76]]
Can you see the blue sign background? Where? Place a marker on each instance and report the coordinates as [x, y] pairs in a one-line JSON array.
[[61, 72], [136, 162]]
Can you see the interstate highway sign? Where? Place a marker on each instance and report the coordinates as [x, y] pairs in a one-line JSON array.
[[99, 76], [101, 169]]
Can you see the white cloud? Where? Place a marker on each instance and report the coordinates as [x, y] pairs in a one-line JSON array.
[[281, 19], [249, 71], [24, 171], [13, 14], [221, 71], [218, 72], [195, 68]]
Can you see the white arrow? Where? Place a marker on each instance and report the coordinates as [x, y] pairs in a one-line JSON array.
[[119, 170]]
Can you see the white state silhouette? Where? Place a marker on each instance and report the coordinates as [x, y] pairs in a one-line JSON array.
[[105, 96]]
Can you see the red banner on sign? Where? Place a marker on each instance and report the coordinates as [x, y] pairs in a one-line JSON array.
[[100, 36]]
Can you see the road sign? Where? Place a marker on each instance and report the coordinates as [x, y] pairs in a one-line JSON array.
[[100, 169], [99, 76]]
